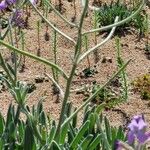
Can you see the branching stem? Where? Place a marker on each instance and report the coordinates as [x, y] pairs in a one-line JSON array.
[[85, 54], [52, 26]]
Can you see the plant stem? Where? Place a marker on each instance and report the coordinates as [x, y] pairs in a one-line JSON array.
[[13, 54], [38, 34], [61, 16], [52, 26], [85, 54], [96, 55], [56, 84], [94, 94], [123, 73], [69, 81], [6, 70], [23, 48], [55, 73], [86, 47]]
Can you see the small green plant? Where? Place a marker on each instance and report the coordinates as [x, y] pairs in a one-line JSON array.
[[147, 50], [88, 72], [123, 75], [107, 96], [147, 45], [94, 133], [110, 95], [142, 85], [38, 35], [108, 12], [86, 43]]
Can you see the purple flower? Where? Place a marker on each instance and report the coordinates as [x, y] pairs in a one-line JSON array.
[[137, 129], [18, 18], [10, 2], [118, 145], [33, 1], [3, 5]]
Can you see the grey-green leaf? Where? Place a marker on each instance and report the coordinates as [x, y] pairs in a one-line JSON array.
[[80, 134]]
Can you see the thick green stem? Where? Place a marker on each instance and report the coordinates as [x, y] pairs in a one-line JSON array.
[[69, 81], [93, 95], [85, 54], [66, 96], [79, 40], [14, 55], [55, 73]]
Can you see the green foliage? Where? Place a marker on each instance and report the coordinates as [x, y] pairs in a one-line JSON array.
[[147, 50], [88, 72], [142, 85], [108, 12], [123, 75], [3, 23], [106, 96], [94, 132]]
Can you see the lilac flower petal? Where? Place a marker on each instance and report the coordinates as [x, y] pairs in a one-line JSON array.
[[137, 129], [117, 145], [142, 137], [18, 18], [141, 124], [148, 136], [10, 2], [17, 13], [133, 125], [33, 1], [137, 118], [130, 137], [3, 5]]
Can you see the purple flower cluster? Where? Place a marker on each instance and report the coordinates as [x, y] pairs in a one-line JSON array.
[[137, 132], [17, 18], [118, 145], [33, 1], [5, 3]]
